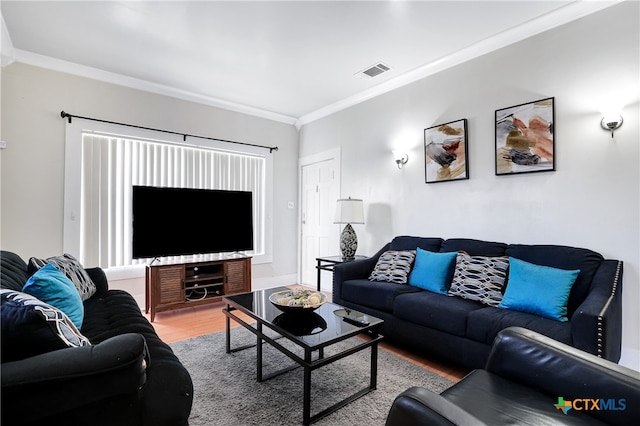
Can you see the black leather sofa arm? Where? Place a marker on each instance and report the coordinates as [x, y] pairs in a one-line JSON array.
[[65, 379], [551, 367], [420, 407], [594, 323]]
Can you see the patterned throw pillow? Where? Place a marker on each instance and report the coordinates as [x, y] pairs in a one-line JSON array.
[[393, 266], [72, 269], [31, 327], [479, 278]]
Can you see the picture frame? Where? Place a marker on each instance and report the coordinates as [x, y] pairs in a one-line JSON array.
[[525, 138], [445, 152]]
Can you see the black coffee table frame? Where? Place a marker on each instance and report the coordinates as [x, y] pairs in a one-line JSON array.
[[309, 362]]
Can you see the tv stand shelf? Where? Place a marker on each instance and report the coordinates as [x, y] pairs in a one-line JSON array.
[[179, 285]]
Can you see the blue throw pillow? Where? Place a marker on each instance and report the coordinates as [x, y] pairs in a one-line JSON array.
[[432, 271], [53, 287], [540, 290]]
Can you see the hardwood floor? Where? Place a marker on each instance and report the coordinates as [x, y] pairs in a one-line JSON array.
[[173, 326]]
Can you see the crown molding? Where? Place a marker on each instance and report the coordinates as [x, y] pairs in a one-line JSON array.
[[54, 64], [7, 55], [561, 16]]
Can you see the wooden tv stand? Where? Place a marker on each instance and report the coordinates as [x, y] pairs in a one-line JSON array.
[[200, 281]]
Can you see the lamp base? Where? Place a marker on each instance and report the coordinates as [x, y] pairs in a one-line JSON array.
[[348, 242]]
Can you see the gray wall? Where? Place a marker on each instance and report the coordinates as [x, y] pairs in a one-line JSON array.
[[32, 165], [591, 200]]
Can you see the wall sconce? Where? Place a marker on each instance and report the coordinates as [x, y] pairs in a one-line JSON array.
[[400, 158], [611, 122]]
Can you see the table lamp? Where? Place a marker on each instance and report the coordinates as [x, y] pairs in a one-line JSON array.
[[349, 211]]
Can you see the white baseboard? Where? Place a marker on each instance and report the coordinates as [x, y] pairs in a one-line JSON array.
[[270, 282]]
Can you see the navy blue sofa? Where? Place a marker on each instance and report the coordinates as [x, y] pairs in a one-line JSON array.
[[462, 330]]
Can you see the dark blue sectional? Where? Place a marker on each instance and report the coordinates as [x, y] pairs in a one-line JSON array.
[[463, 330]]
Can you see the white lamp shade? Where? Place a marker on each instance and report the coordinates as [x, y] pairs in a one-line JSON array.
[[349, 210]]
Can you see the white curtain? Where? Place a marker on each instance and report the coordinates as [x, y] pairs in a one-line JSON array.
[[112, 165]]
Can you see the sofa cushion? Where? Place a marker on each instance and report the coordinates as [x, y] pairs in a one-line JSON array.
[[437, 311], [374, 294], [31, 327], [72, 268], [393, 266], [411, 243], [432, 271], [484, 324], [540, 290], [53, 287], [563, 257], [13, 271], [474, 247], [479, 278]]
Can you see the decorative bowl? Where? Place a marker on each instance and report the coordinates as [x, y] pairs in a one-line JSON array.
[[304, 300]]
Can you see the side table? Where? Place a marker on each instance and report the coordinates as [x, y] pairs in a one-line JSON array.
[[327, 263]]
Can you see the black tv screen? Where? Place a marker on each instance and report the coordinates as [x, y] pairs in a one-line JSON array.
[[180, 221]]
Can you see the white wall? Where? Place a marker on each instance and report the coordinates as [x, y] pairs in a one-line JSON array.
[[32, 165], [591, 200]]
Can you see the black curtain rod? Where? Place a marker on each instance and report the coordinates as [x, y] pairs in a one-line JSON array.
[[184, 135]]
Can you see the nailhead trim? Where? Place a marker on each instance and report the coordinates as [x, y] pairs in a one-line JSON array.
[[600, 337]]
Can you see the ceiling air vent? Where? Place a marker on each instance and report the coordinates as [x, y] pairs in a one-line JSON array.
[[375, 70]]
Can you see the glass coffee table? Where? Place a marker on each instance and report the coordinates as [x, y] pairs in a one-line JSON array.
[[312, 332]]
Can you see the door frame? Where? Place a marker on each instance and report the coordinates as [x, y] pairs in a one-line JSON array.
[[331, 154]]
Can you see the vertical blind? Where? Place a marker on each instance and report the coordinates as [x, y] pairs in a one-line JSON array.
[[111, 166]]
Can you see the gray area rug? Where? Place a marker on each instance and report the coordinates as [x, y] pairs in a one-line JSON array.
[[226, 391]]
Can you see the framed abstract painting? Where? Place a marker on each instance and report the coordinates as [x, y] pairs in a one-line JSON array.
[[445, 152], [525, 141]]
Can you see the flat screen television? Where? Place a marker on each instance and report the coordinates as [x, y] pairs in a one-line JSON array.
[[181, 221]]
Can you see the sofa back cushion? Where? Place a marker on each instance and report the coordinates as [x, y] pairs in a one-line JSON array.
[[562, 257], [474, 247], [405, 242], [14, 271]]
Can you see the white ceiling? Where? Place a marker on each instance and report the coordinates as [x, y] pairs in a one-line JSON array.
[[292, 61]]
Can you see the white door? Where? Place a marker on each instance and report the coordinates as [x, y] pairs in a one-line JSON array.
[[320, 190]]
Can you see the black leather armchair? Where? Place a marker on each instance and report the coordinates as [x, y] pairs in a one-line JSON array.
[[529, 379]]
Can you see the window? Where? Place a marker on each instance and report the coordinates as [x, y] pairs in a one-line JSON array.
[[107, 165]]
